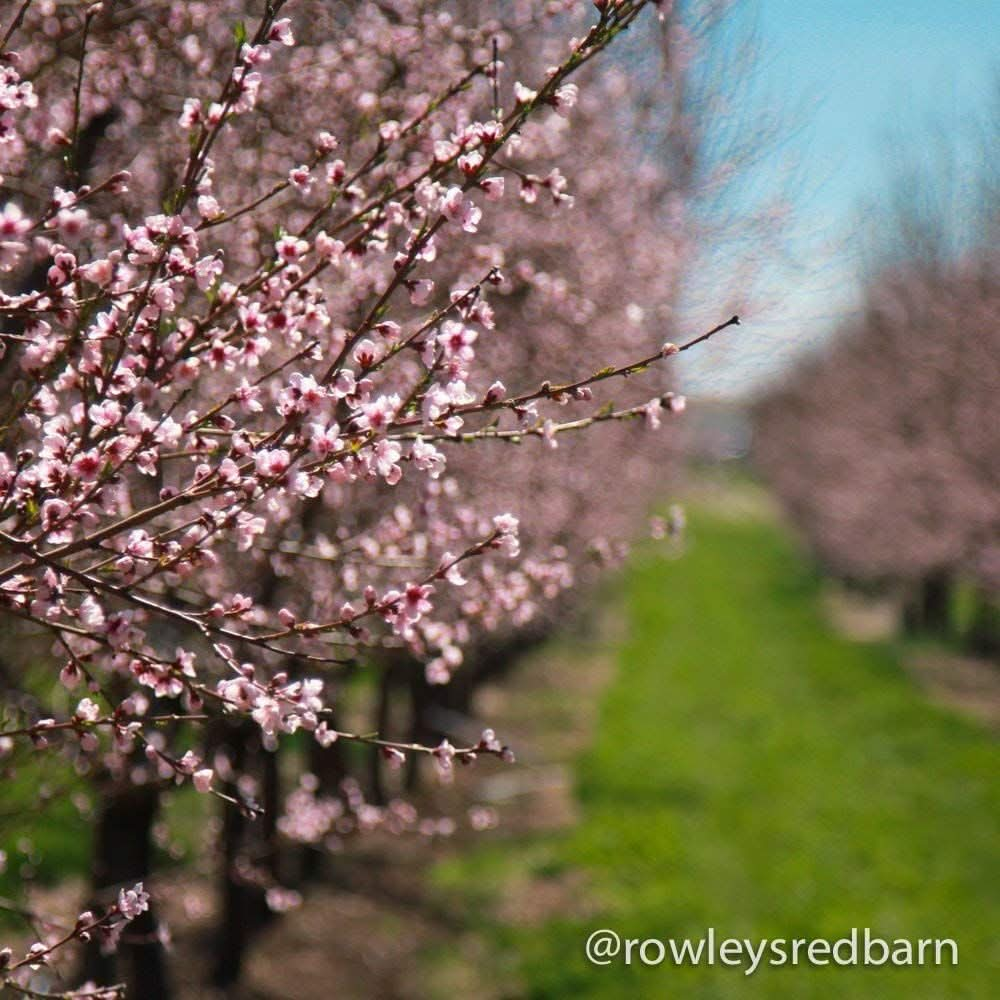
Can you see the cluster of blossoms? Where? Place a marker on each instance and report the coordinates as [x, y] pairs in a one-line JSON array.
[[263, 432], [311, 817], [105, 929]]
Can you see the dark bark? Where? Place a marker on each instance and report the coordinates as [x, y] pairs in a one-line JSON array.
[[983, 635], [928, 609], [122, 856], [250, 855], [233, 931], [381, 725], [421, 697], [436, 709], [330, 767], [936, 598]]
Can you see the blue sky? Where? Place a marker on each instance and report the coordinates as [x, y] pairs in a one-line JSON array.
[[872, 68], [863, 79]]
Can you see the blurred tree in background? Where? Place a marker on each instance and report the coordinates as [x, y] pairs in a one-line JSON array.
[[884, 445]]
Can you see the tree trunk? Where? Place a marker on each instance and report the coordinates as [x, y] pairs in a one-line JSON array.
[[983, 635], [383, 708], [250, 855], [928, 610], [329, 765], [936, 599], [421, 697], [123, 856]]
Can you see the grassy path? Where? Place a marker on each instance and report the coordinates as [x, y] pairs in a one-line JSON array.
[[754, 773]]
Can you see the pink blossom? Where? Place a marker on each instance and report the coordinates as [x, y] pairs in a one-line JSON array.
[[13, 221], [87, 711], [386, 456], [492, 187], [415, 602], [457, 208], [191, 113], [444, 754], [267, 714], [290, 248], [326, 142], [70, 676], [549, 433], [507, 526], [328, 248], [208, 208], [272, 462], [395, 758], [420, 291], [99, 272], [324, 441], [436, 671], [427, 458], [132, 902], [281, 900], [378, 414], [565, 98], [91, 613], [390, 131], [523, 94], [325, 736], [652, 411], [281, 31], [11, 252], [301, 178], [203, 780], [496, 392], [106, 414]]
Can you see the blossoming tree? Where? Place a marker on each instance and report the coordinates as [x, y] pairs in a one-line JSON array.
[[295, 338], [884, 450]]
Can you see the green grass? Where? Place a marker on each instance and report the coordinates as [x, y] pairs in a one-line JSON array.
[[46, 838], [754, 773], [41, 834]]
